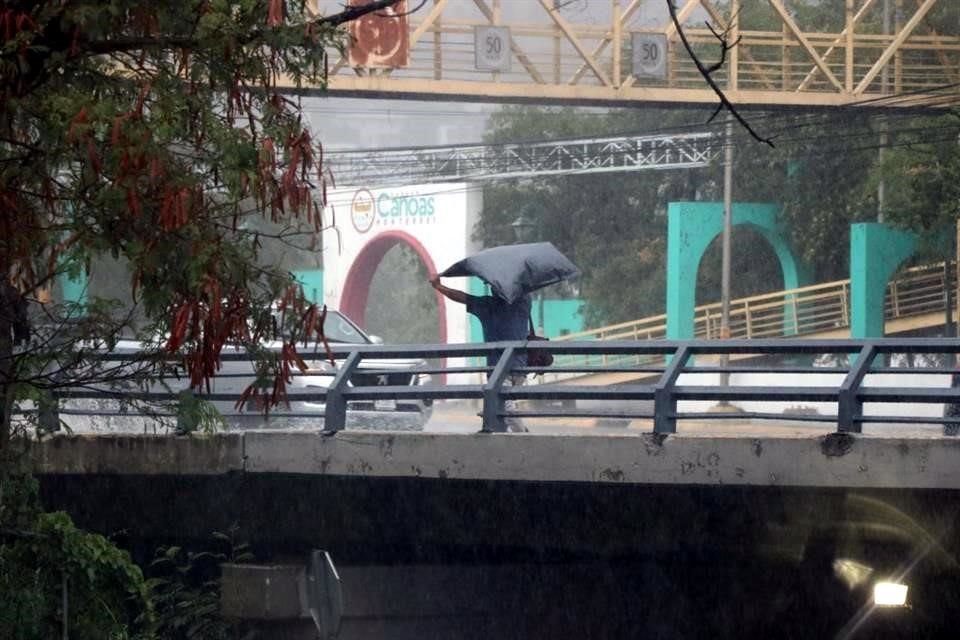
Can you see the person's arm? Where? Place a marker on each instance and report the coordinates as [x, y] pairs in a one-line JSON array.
[[454, 294]]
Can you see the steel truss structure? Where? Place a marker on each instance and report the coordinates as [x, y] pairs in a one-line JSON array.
[[488, 162], [581, 52]]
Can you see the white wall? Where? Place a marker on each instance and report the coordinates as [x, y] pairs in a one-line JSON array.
[[440, 217]]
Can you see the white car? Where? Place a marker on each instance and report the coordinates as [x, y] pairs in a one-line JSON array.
[[235, 375], [340, 330]]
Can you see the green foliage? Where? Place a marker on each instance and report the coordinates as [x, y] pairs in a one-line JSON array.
[[401, 308], [823, 173], [613, 225], [107, 596], [19, 497], [819, 179], [186, 590], [922, 177], [156, 135], [197, 414]]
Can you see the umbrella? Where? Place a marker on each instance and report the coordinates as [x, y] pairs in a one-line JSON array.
[[516, 269]]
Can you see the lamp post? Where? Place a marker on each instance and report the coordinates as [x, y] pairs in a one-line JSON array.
[[524, 230]]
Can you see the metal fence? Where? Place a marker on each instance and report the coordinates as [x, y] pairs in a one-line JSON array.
[[789, 371], [820, 310]]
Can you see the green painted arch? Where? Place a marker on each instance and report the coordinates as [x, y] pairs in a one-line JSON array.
[[691, 227]]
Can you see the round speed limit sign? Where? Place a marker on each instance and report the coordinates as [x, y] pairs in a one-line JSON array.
[[492, 48], [650, 55]]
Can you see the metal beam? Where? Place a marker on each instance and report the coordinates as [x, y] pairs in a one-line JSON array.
[[380, 167], [423, 89], [845, 35], [804, 42], [625, 16], [572, 38], [894, 46]]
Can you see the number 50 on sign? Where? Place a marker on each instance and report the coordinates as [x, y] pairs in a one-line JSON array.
[[492, 48], [650, 55]]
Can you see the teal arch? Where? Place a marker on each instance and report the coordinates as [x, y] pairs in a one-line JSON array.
[[691, 227], [876, 250], [74, 289]]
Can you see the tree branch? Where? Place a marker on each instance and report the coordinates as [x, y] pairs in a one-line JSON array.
[[53, 42], [707, 72], [349, 14]]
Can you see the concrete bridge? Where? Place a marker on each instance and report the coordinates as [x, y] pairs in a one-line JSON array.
[[566, 532], [528, 535]]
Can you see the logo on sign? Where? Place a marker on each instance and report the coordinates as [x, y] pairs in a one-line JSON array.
[[380, 39], [362, 211]]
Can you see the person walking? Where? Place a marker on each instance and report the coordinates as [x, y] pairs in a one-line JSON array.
[[501, 321]]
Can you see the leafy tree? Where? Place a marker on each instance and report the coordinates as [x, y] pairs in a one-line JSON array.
[[399, 308], [818, 173], [157, 134], [44, 555], [922, 174], [613, 225], [823, 172]]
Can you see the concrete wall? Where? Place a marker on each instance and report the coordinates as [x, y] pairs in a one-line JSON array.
[[634, 458], [426, 552]]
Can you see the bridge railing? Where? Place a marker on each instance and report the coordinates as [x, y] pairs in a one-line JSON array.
[[854, 381], [816, 309], [592, 51]]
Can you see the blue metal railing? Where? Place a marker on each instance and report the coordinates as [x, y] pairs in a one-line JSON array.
[[658, 381]]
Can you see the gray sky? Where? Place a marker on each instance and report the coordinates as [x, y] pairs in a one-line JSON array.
[[365, 123]]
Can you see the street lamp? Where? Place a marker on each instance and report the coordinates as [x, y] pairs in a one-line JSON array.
[[524, 230]]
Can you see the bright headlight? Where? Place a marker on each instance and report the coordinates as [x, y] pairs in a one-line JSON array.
[[889, 594]]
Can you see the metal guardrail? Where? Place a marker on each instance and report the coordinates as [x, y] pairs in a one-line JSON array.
[[804, 311], [856, 360]]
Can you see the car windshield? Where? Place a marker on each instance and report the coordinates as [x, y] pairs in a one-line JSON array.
[[337, 328]]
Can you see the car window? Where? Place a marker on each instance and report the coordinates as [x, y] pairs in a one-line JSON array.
[[338, 329]]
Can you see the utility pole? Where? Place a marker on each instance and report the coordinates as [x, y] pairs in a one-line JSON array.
[[884, 138], [733, 81], [949, 284], [725, 252]]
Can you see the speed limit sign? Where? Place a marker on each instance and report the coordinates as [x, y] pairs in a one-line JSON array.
[[492, 48], [650, 55]]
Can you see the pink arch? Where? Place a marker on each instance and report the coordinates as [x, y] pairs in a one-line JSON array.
[[356, 286]]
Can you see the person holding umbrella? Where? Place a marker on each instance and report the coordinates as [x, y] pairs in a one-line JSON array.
[[501, 321]]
